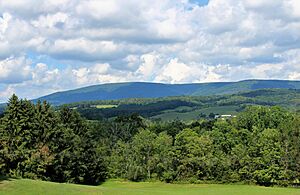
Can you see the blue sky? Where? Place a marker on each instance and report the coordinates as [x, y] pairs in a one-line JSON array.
[[55, 45], [200, 2]]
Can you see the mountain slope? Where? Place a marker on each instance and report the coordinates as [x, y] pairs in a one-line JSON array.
[[188, 107], [153, 90]]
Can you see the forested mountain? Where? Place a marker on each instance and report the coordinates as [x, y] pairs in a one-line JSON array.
[[153, 90]]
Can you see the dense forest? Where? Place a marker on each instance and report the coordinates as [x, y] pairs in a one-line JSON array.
[[261, 145]]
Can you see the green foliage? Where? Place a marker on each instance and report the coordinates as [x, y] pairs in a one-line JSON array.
[[188, 108], [146, 157], [192, 153], [261, 145], [39, 143]]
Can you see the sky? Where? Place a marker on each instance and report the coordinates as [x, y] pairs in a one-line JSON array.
[[56, 45]]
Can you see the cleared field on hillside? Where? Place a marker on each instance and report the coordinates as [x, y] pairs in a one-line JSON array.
[[106, 106], [194, 114], [25, 186]]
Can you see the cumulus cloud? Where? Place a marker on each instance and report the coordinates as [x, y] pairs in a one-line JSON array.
[[294, 76], [148, 65], [98, 73], [43, 76], [175, 72], [173, 41], [6, 93], [15, 70], [82, 49]]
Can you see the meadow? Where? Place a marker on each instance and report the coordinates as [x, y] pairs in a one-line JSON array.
[[106, 106], [188, 114], [111, 187]]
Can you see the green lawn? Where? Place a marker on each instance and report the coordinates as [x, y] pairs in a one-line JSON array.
[[25, 186]]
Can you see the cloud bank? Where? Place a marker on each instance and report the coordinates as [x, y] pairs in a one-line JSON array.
[[47, 46]]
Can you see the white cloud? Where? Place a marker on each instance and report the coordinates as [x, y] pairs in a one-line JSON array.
[[82, 75], [15, 70], [4, 23], [148, 66], [98, 9], [43, 76], [82, 49], [98, 73], [179, 72], [294, 7], [6, 93], [101, 68], [266, 70], [51, 21], [89, 42], [294, 76], [175, 72]]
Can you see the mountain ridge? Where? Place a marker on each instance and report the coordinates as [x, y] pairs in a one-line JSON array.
[[112, 91]]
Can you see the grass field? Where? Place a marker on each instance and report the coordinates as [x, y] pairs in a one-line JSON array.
[[174, 114], [106, 106], [25, 186]]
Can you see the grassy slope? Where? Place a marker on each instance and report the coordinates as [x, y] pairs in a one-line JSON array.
[[194, 114], [24, 186], [106, 106]]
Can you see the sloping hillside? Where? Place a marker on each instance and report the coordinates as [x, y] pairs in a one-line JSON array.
[[189, 107], [154, 90]]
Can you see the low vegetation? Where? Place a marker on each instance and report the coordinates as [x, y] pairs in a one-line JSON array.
[[112, 187], [106, 106]]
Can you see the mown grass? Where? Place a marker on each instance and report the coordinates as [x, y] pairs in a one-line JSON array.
[[25, 186]]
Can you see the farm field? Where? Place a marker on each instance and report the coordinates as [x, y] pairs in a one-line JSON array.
[[111, 187], [186, 115], [106, 106]]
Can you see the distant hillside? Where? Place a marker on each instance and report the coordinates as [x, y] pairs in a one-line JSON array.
[[188, 108], [153, 90]]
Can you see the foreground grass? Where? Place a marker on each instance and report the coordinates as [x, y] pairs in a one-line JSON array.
[[25, 186]]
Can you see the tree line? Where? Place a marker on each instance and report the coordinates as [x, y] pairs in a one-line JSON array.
[[261, 145], [40, 143]]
